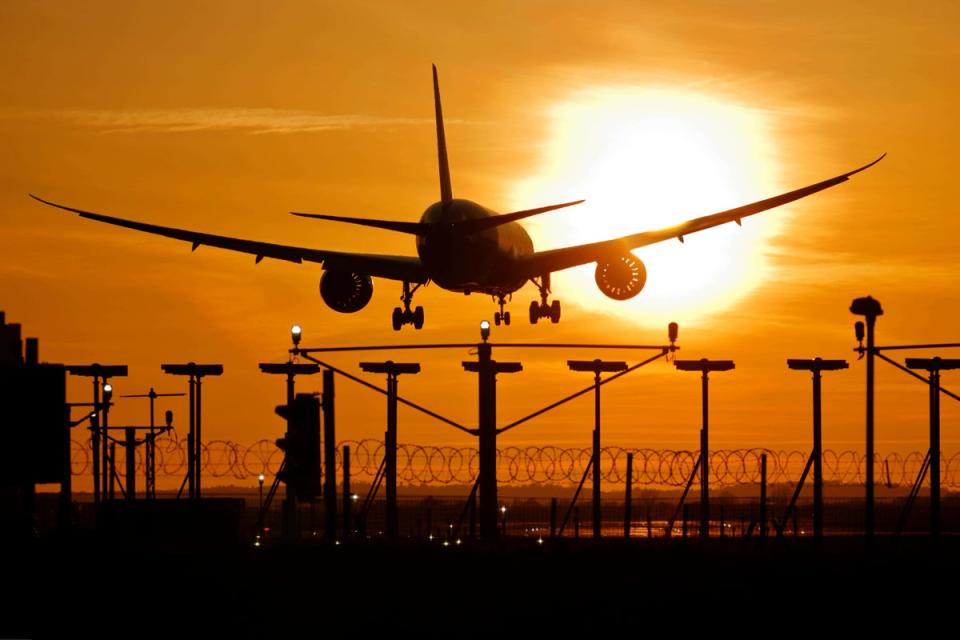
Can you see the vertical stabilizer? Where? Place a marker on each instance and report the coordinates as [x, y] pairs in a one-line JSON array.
[[446, 192]]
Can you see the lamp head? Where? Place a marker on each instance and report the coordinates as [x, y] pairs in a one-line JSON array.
[[673, 330], [296, 332], [858, 331], [107, 392], [485, 330], [867, 306], [168, 418]]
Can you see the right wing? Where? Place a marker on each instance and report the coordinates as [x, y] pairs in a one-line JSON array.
[[543, 262], [381, 266]]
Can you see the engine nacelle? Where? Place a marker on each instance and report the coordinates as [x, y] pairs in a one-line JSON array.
[[344, 291], [622, 277]]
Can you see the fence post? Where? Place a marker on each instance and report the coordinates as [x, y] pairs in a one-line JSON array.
[[553, 518], [628, 498]]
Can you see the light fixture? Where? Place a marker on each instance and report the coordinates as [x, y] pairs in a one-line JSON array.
[[485, 330], [296, 332]]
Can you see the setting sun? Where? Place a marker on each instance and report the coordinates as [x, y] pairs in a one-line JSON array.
[[646, 158]]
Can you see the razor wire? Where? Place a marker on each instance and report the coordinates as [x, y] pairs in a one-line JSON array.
[[544, 465]]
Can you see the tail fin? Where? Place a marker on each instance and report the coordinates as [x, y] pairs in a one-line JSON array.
[[446, 192]]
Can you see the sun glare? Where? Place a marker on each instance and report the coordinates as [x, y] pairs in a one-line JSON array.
[[649, 158]]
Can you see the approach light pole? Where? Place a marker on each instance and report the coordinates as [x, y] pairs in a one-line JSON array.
[[704, 366], [870, 309], [101, 375], [150, 472], [596, 367], [196, 373], [816, 366], [934, 366], [487, 369], [393, 371], [291, 370]]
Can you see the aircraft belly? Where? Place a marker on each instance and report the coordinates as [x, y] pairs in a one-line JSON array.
[[473, 269]]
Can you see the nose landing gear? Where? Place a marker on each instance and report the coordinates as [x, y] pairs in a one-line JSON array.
[[406, 315], [501, 316]]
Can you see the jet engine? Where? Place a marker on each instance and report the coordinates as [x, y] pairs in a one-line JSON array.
[[622, 277], [344, 291]]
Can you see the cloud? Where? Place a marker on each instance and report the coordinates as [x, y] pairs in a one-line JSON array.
[[250, 120]]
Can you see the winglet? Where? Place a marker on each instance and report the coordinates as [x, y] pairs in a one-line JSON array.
[[866, 166], [446, 191]]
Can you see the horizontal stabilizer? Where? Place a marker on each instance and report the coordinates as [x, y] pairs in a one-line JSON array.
[[415, 228], [482, 224]]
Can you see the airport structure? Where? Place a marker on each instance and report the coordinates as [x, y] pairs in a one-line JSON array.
[[56, 440]]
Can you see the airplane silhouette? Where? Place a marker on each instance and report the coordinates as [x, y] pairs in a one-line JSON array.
[[465, 247]]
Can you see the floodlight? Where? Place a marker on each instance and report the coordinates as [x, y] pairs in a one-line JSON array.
[[485, 330], [296, 332]]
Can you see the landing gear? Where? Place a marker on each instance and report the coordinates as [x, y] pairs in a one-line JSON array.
[[406, 315], [501, 316], [544, 309]]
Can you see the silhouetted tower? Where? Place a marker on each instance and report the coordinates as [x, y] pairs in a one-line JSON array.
[[705, 366], [196, 373], [934, 366], [150, 466], [393, 371], [816, 366], [487, 369], [101, 375], [291, 370], [870, 309], [596, 367]]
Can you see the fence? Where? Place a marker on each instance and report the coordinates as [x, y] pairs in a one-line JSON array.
[[420, 465]]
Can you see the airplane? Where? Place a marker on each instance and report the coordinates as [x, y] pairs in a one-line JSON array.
[[465, 247]]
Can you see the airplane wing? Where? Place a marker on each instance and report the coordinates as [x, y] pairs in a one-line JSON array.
[[543, 262], [382, 266]]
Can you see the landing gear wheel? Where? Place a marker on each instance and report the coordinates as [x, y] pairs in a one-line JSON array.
[[555, 311], [405, 315], [496, 318], [506, 318], [534, 311]]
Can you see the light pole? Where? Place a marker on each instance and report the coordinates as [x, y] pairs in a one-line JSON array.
[[704, 366], [934, 366], [487, 369], [195, 372], [108, 468], [260, 479], [870, 309], [596, 367], [816, 366], [393, 371]]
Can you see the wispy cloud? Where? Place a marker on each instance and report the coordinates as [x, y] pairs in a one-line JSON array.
[[250, 120]]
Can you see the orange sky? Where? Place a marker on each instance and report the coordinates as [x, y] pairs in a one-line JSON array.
[[221, 117]]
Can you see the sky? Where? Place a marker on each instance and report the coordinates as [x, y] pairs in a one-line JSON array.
[[222, 117]]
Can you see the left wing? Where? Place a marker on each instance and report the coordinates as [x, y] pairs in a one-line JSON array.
[[381, 266], [543, 262]]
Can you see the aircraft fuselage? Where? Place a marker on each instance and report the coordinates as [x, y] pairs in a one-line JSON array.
[[475, 262]]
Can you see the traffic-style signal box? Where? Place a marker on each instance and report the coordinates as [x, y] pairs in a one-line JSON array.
[[301, 446]]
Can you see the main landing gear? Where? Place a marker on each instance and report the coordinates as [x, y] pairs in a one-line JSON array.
[[405, 315], [501, 316], [544, 309]]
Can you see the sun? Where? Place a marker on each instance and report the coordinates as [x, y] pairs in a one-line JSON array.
[[645, 158]]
